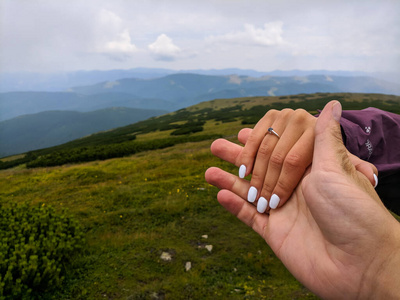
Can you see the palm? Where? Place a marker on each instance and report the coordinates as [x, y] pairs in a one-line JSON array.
[[295, 236], [313, 238]]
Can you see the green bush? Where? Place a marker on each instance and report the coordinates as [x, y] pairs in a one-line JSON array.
[[36, 245], [187, 130]]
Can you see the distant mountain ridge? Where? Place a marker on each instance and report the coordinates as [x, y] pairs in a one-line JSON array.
[[189, 89], [16, 104], [50, 128], [177, 91], [62, 81]]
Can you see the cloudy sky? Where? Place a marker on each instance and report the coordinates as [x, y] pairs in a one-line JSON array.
[[263, 35]]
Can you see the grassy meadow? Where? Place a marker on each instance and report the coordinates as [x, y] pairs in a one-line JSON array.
[[138, 209]]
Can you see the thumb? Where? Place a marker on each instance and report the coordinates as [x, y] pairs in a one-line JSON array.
[[331, 158], [329, 151]]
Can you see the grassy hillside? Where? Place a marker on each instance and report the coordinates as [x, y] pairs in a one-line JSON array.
[[139, 209], [194, 123]]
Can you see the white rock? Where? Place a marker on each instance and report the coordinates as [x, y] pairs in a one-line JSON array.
[[209, 247], [188, 266], [204, 236], [166, 256]]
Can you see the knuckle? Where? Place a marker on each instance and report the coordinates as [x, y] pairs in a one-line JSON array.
[[256, 179], [253, 139], [244, 159], [284, 187], [253, 220], [301, 112], [276, 160], [293, 161], [267, 188], [264, 150], [300, 115], [271, 112], [287, 110]]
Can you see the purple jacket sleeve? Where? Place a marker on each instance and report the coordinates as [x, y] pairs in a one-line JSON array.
[[373, 135]]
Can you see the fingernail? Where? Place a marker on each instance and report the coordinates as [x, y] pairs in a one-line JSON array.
[[252, 194], [337, 111], [242, 171], [262, 205], [376, 181], [274, 201]]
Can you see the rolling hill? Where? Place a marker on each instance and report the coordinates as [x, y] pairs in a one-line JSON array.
[[190, 89], [50, 128], [16, 104], [177, 91], [193, 123]]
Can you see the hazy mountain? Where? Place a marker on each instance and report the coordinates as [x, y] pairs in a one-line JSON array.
[[187, 89], [177, 91], [15, 104], [50, 128], [57, 82]]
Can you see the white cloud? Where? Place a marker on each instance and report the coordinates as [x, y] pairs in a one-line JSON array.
[[122, 44], [112, 39], [164, 49], [109, 19], [269, 35]]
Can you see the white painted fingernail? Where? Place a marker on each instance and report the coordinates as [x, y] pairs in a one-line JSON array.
[[252, 194], [376, 181], [242, 171], [262, 205], [274, 201]]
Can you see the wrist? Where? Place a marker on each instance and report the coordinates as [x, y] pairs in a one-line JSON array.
[[382, 278]]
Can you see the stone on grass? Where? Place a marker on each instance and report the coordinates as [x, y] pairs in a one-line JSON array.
[[165, 256], [209, 247], [188, 266]]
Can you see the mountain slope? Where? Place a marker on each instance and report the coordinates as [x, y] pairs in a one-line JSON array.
[[177, 91], [187, 89], [195, 123], [16, 104], [50, 128]]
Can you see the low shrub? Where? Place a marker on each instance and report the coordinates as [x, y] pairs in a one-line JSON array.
[[187, 130], [36, 245]]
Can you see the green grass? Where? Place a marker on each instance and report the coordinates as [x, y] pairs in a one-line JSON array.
[[137, 207], [134, 209]]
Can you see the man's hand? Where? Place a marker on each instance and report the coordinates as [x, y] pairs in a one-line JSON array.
[[334, 234]]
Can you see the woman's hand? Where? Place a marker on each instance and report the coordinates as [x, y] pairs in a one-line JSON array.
[[277, 163]]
